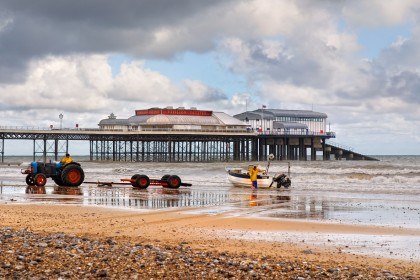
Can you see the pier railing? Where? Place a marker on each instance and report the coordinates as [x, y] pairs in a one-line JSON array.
[[99, 130], [338, 145], [300, 133]]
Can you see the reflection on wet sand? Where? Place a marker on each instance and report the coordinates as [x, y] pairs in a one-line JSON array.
[[154, 198], [253, 198], [264, 203], [265, 199], [56, 195], [35, 190], [290, 205], [308, 207], [68, 190], [57, 190]]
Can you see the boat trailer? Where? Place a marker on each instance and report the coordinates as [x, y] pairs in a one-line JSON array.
[[141, 181]]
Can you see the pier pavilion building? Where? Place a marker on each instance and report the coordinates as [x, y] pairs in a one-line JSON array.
[[289, 134], [179, 119], [290, 122]]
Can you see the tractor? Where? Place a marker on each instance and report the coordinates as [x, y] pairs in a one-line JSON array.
[[71, 174], [282, 180]]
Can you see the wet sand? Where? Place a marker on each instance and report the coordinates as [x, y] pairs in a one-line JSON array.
[[336, 222], [208, 233]]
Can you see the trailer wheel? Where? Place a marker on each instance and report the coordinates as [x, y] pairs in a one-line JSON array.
[[30, 180], [134, 177], [165, 177], [72, 175], [142, 182], [40, 180], [174, 182]]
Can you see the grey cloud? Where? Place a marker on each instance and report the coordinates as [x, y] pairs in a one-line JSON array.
[[213, 95], [108, 13], [51, 27], [405, 85], [199, 92], [292, 64], [402, 54], [313, 64]]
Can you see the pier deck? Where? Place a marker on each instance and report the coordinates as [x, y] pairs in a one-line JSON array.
[[177, 145]]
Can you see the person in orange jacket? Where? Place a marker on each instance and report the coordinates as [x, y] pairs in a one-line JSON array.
[[66, 159], [253, 173]]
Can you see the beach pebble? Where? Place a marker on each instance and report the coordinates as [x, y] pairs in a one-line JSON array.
[[28, 255]]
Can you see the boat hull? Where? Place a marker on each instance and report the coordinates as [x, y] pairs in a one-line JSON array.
[[243, 180]]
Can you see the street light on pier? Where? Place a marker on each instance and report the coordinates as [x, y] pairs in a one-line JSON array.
[[61, 120], [262, 123]]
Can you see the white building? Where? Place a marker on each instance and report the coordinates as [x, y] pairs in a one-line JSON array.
[[277, 121], [179, 119]]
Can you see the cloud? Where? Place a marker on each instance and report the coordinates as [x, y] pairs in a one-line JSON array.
[[142, 29], [76, 83], [203, 93], [377, 12], [402, 54], [35, 30], [135, 83], [293, 54], [82, 86]]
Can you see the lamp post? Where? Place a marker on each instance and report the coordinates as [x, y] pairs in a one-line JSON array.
[[262, 123], [61, 120]]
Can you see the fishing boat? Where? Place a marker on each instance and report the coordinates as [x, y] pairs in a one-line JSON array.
[[239, 177]]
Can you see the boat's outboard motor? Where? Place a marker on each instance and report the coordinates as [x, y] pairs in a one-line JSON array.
[[282, 180]]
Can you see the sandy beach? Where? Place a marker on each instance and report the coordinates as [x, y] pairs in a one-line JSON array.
[[339, 220], [197, 231]]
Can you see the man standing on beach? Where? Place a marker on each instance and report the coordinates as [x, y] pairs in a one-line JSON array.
[[253, 173]]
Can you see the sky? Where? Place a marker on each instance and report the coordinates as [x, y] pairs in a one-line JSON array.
[[355, 60]]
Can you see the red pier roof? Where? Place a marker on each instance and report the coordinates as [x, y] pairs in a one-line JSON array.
[[179, 111]]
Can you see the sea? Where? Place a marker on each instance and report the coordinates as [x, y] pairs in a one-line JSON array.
[[384, 193]]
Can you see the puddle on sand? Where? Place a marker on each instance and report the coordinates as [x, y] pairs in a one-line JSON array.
[[389, 246], [120, 197]]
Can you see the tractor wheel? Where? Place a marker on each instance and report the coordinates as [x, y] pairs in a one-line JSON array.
[[174, 182], [134, 177], [30, 180], [40, 180], [57, 180], [72, 175], [142, 182], [165, 177], [287, 183]]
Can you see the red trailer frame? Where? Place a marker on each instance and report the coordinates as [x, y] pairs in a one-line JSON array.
[[141, 181]]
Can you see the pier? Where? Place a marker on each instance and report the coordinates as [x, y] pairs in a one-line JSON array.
[[171, 145]]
